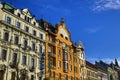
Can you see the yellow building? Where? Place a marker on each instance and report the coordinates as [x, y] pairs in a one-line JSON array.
[[61, 55], [22, 45]]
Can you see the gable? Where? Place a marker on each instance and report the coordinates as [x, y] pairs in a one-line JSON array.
[[26, 11], [63, 32]]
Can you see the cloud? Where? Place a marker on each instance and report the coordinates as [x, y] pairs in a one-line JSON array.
[[92, 30], [106, 60], [102, 5]]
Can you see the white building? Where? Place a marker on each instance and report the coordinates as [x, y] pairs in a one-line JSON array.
[[22, 45]]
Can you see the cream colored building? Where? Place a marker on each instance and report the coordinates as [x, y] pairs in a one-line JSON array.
[[22, 45], [82, 62]]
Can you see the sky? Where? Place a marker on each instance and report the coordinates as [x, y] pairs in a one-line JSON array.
[[94, 22]]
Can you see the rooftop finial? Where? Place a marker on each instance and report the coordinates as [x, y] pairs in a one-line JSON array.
[[62, 21], [116, 63]]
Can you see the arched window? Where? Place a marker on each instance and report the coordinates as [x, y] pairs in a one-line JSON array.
[[111, 77], [18, 14], [6, 36], [61, 35], [66, 38]]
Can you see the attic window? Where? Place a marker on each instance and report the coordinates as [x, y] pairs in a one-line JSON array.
[[18, 14], [61, 35], [34, 23], [27, 19], [66, 38]]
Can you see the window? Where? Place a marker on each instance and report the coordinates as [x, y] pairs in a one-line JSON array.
[[6, 36], [27, 29], [27, 19], [59, 42], [66, 38], [16, 40], [8, 20], [34, 32], [32, 77], [41, 36], [65, 77], [1, 75], [24, 60], [59, 64], [14, 60], [13, 76], [25, 43], [70, 57], [59, 75], [54, 74], [33, 46], [32, 62], [18, 24], [18, 14], [65, 56], [61, 35], [40, 50], [4, 54], [70, 67], [58, 52], [34, 23], [65, 66]]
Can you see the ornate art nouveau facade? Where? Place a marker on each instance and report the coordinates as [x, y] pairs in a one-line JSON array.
[[61, 55], [22, 45]]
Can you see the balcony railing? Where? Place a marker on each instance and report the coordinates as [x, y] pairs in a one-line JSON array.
[[51, 42], [65, 70], [52, 66], [52, 54]]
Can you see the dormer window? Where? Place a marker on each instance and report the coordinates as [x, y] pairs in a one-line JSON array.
[[18, 14], [61, 35], [34, 23], [27, 19], [66, 38]]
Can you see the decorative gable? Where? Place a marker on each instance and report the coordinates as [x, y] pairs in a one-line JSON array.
[[27, 11]]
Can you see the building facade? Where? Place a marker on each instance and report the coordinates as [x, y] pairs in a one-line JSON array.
[[22, 45], [91, 71], [82, 62], [112, 73], [102, 75], [61, 55]]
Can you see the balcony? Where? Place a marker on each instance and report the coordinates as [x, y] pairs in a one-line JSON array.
[[51, 42], [65, 70], [52, 66], [52, 54], [65, 49]]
